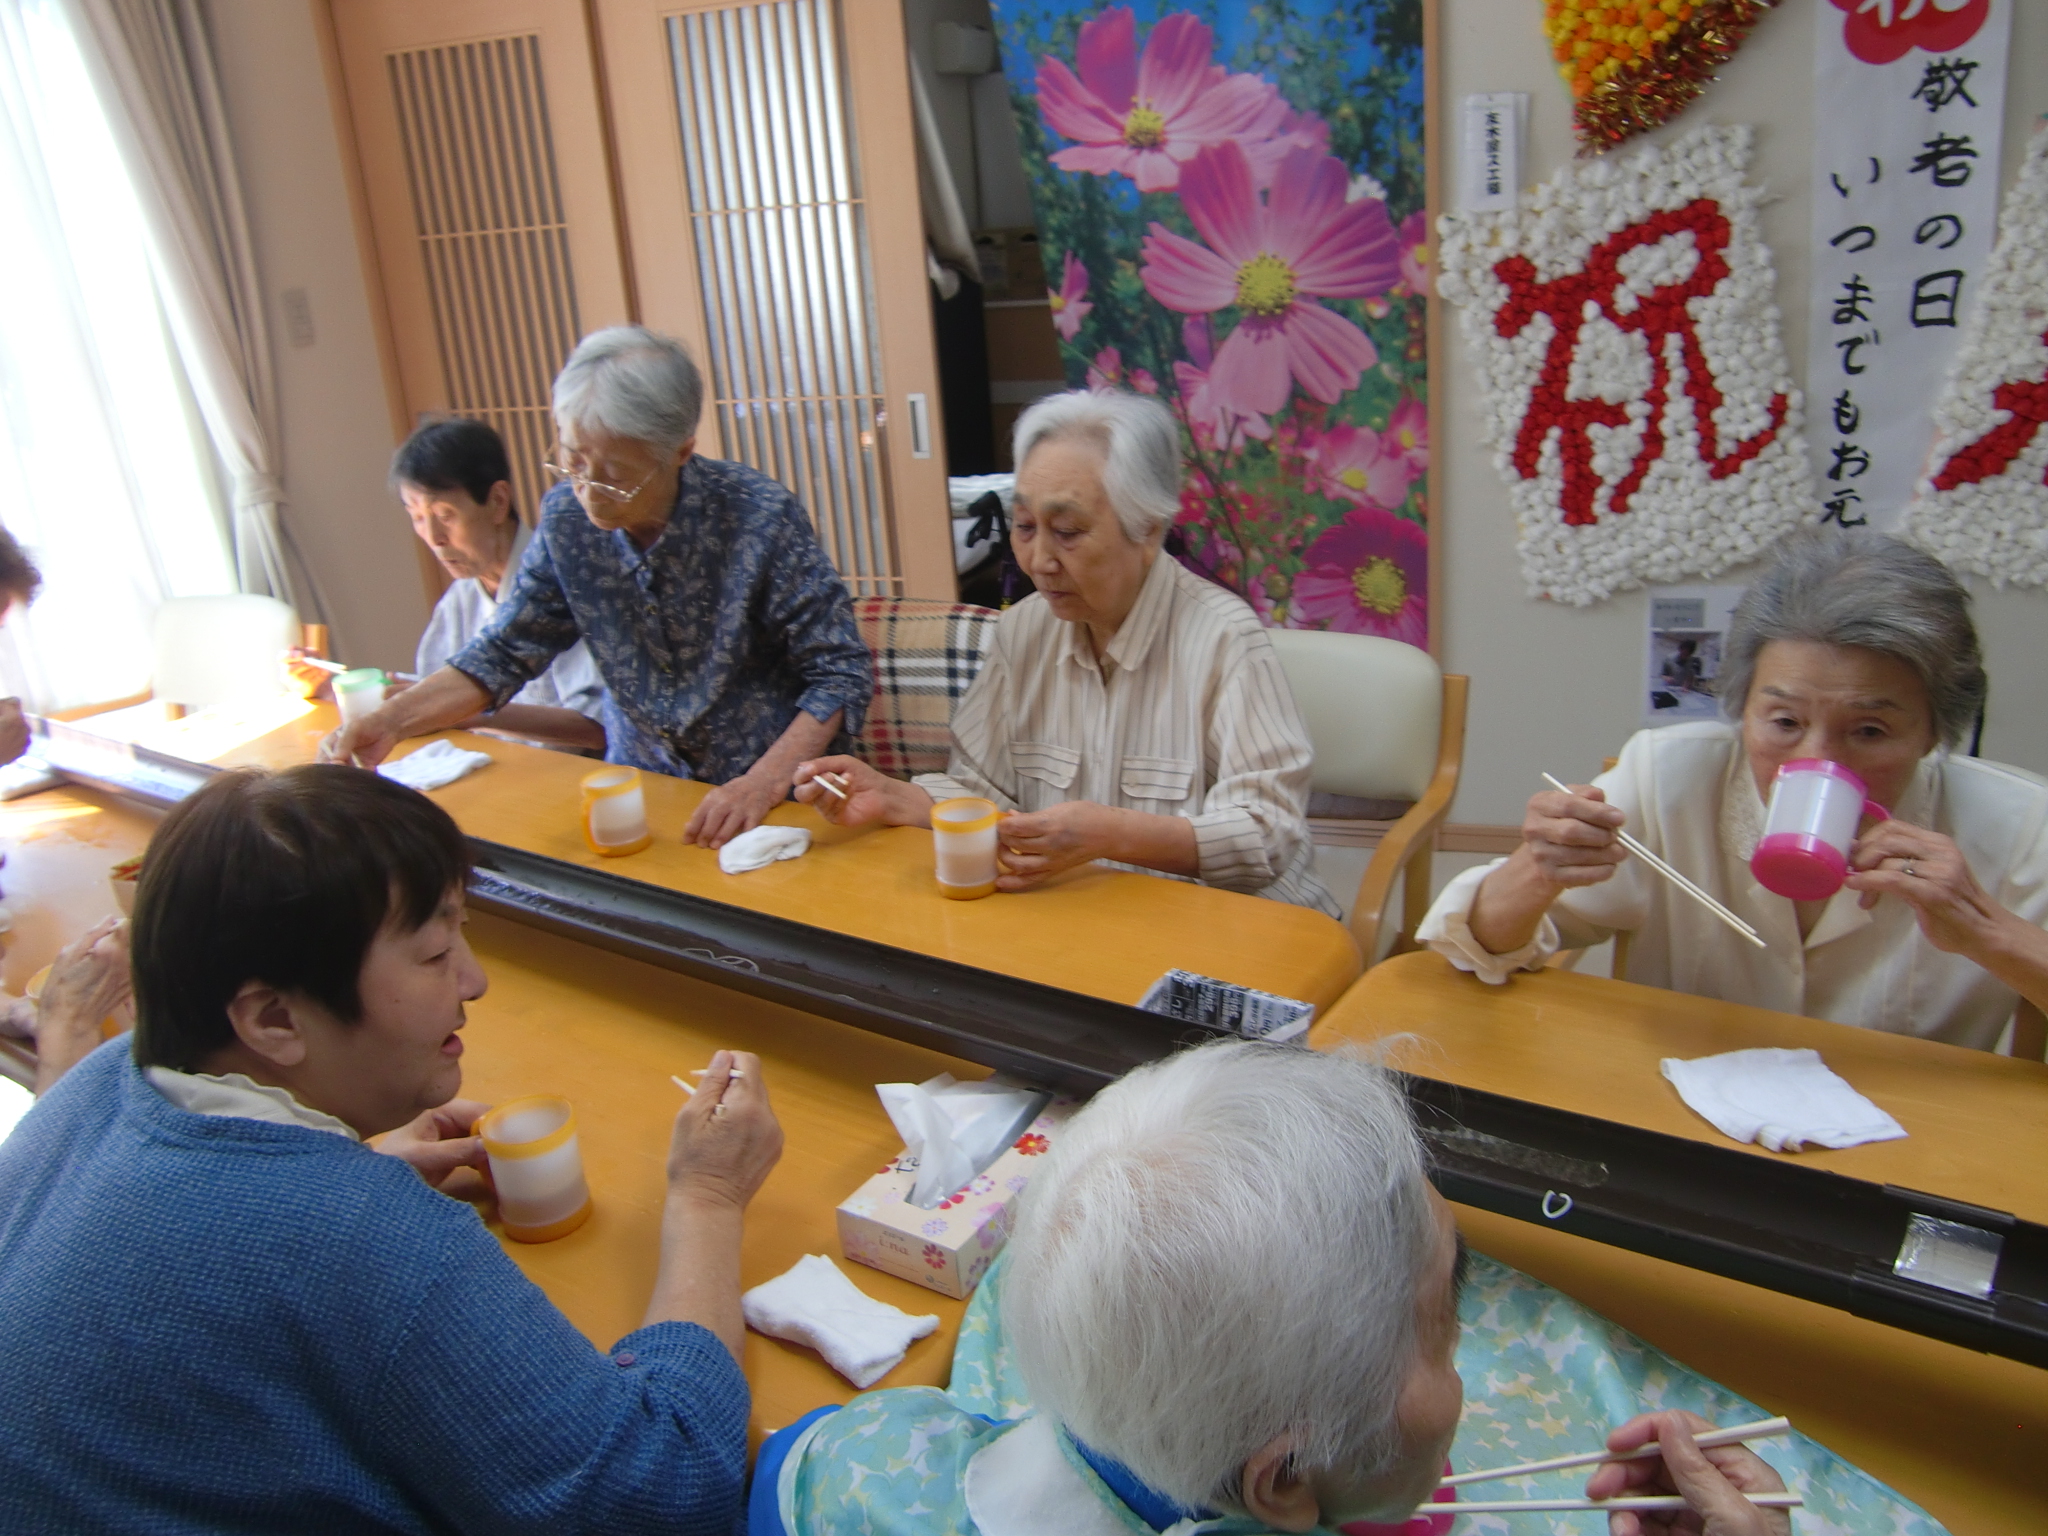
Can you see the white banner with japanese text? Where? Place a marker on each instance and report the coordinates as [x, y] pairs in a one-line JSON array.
[[1909, 99]]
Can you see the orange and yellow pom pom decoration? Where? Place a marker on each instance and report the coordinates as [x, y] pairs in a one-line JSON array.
[[1634, 64]]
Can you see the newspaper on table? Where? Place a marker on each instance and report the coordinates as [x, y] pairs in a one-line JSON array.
[[1224, 1005]]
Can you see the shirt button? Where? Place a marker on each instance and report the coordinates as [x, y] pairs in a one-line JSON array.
[[625, 1357]]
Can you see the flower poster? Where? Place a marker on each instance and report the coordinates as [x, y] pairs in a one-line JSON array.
[[1983, 500], [1230, 203], [1636, 392]]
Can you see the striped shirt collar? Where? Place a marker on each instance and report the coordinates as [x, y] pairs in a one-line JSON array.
[[1142, 626]]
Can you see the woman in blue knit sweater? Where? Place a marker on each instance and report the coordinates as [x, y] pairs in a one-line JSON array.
[[222, 1312]]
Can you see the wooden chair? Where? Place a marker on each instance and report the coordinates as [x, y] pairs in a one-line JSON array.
[[1388, 727]]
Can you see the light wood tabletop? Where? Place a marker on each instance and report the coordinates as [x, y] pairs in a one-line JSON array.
[[1108, 933], [1963, 1434]]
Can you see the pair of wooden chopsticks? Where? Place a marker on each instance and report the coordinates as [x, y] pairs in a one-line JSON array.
[[337, 668], [831, 781], [1735, 1434], [1677, 879]]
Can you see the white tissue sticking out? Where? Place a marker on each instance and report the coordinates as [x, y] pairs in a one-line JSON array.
[[1779, 1099], [952, 1130], [761, 847]]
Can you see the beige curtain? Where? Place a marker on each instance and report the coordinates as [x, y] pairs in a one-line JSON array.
[[154, 70]]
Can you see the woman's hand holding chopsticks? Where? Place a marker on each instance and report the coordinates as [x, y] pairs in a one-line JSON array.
[[1569, 839], [1713, 1482]]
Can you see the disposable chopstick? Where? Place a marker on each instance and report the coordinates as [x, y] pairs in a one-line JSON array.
[[686, 1087], [321, 662], [1678, 880], [832, 782], [1648, 1504], [1734, 1434]]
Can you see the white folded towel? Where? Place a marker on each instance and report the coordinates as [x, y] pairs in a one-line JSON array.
[[434, 765], [815, 1305], [1779, 1099], [761, 847]]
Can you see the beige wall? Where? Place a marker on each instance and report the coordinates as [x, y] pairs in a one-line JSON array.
[[1558, 688], [337, 423]]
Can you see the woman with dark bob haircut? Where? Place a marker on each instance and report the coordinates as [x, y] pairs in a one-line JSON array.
[[223, 1311], [1852, 647]]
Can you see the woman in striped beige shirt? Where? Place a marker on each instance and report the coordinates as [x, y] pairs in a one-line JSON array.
[[1129, 711]]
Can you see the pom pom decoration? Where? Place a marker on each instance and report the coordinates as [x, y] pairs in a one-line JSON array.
[[1635, 387], [1636, 64], [1982, 506]]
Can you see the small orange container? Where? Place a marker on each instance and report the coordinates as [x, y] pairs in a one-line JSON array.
[[615, 812]]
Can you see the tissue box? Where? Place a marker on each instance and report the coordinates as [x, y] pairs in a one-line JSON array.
[[948, 1249]]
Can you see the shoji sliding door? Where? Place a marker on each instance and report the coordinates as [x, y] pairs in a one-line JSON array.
[[741, 176], [487, 181], [768, 172]]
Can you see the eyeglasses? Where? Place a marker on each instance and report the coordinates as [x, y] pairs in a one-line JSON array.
[[582, 483]]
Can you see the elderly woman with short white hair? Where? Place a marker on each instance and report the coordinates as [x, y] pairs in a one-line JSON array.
[[1233, 1303], [1129, 711], [724, 636], [1858, 649]]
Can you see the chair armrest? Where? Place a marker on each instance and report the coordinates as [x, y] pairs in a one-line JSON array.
[[1410, 842]]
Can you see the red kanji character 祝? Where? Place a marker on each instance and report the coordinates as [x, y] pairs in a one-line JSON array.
[[1993, 453], [1572, 299]]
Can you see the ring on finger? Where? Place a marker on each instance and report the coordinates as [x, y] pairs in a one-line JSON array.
[[1908, 870]]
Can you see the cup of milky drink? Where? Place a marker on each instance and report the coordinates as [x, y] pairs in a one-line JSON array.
[[537, 1167], [357, 693], [964, 842], [615, 812]]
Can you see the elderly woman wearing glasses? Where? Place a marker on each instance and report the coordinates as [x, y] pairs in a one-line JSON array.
[[1130, 711], [725, 637]]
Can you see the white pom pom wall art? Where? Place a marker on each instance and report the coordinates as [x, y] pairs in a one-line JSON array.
[[1982, 506], [1635, 387]]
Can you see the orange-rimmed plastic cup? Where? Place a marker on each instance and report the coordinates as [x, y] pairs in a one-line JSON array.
[[615, 812], [964, 844], [537, 1166]]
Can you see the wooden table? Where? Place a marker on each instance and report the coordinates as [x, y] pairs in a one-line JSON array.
[[1104, 932], [1965, 1435], [607, 1032]]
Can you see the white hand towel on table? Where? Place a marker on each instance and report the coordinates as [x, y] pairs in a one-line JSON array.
[[1779, 1099], [761, 847], [815, 1305], [436, 764]]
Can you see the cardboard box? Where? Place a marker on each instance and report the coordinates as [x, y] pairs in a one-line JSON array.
[[950, 1248]]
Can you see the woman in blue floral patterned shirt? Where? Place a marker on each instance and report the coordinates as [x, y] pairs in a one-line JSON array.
[[724, 635]]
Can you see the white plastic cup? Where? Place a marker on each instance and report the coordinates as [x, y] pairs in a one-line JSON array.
[[1816, 806], [615, 812], [537, 1167], [357, 693], [964, 844]]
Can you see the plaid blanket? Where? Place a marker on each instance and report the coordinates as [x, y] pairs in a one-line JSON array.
[[926, 653]]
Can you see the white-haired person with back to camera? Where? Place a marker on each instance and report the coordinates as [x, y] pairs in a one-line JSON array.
[[1129, 710], [1234, 1304]]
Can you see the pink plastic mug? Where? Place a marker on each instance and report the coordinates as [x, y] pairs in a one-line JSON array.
[[1816, 807]]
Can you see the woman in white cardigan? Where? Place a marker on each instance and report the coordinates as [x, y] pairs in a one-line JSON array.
[[1853, 647]]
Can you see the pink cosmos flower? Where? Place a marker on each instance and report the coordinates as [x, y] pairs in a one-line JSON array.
[[1418, 254], [1069, 308], [1298, 130], [1143, 116], [1357, 464], [1408, 435], [1369, 575], [1273, 259], [1107, 373]]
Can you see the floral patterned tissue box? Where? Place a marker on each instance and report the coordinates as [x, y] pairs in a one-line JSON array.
[[951, 1247]]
